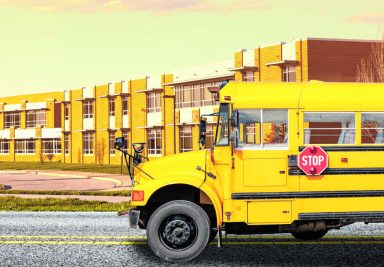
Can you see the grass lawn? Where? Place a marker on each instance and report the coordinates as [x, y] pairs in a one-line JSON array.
[[78, 193], [112, 169], [53, 204]]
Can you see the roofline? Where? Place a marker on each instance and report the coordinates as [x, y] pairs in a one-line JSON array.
[[315, 39]]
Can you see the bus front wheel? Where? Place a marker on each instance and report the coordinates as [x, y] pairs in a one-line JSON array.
[[178, 231], [309, 235]]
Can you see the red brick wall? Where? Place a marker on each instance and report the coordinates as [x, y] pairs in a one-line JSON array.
[[335, 61]]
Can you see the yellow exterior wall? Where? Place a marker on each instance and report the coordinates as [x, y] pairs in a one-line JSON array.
[[238, 63], [302, 58], [137, 112], [270, 54], [50, 99], [168, 108]]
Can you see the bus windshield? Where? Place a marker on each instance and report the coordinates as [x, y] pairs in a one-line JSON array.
[[222, 126]]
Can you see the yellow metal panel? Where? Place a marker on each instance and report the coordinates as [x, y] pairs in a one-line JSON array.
[[265, 172], [269, 212]]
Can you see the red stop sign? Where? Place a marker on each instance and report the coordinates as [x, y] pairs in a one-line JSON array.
[[313, 160]]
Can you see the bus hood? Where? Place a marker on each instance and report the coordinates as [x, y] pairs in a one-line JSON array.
[[174, 166]]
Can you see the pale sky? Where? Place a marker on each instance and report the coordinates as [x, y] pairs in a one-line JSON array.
[[57, 45]]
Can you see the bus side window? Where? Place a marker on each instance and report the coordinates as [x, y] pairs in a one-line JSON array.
[[372, 126], [275, 127], [329, 128], [262, 128]]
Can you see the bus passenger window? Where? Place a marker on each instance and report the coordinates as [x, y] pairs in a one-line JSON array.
[[262, 128], [372, 126], [249, 127], [329, 128], [275, 127]]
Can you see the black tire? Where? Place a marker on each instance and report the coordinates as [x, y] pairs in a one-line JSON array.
[[178, 231], [309, 235]]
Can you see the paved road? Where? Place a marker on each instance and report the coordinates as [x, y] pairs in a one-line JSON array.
[[102, 239]]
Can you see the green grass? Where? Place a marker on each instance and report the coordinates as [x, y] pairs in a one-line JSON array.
[[53, 204], [77, 193], [112, 169]]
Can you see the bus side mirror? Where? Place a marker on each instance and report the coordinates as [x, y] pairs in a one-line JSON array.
[[203, 131], [119, 143], [235, 119]]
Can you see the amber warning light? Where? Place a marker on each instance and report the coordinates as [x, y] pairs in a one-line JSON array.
[[137, 195]]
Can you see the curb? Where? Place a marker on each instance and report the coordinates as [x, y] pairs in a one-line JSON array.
[[115, 181]]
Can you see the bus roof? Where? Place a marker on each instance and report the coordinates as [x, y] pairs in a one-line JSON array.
[[310, 96]]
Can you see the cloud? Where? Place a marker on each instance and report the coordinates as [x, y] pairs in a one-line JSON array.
[[377, 18], [154, 6]]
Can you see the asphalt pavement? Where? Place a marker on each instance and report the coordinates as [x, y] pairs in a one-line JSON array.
[[103, 239]]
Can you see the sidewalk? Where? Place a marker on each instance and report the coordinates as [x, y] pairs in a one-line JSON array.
[[63, 180], [52, 180]]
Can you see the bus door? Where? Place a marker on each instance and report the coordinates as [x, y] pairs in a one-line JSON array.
[[261, 164]]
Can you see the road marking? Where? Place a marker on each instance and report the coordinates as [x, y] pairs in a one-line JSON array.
[[145, 238], [231, 243], [70, 237]]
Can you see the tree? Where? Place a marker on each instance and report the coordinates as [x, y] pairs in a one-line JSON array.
[[371, 68], [100, 150]]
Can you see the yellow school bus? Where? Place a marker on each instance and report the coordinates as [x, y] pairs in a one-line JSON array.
[[250, 182]]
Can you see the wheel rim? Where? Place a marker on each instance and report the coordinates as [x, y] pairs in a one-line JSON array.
[[178, 232]]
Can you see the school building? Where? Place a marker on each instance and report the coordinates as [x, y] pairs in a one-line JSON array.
[[80, 125]]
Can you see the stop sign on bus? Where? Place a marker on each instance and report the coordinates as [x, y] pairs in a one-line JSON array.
[[313, 160]]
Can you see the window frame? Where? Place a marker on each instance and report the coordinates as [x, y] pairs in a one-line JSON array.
[[25, 150], [157, 135], [88, 109], [332, 112], [111, 106], [34, 118], [5, 150], [263, 145], [13, 122], [56, 146], [88, 139], [183, 135]]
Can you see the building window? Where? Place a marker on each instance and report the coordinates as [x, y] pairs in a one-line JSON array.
[[125, 105], [329, 128], [51, 146], [25, 146], [126, 141], [36, 118], [154, 142], [289, 74], [186, 138], [12, 119], [111, 106], [154, 102], [248, 76], [88, 110], [112, 150], [372, 128], [195, 95], [66, 112], [66, 144], [4, 146], [88, 146]]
